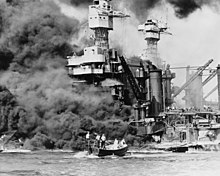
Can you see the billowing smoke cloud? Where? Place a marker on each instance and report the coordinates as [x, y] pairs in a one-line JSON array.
[[37, 31], [5, 58], [10, 111]]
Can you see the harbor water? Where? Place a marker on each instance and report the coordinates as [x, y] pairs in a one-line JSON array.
[[78, 164]]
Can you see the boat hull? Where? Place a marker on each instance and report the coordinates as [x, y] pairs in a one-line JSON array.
[[178, 149], [108, 152]]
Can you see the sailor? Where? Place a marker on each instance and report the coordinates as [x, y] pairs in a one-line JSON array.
[[103, 138], [98, 140], [213, 121], [211, 135], [115, 145], [89, 146], [3, 136], [87, 135], [122, 143]]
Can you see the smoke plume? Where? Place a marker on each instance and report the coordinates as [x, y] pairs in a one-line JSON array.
[[36, 31], [10, 111]]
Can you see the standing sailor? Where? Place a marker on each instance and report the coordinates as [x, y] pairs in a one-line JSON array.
[[115, 145], [89, 147], [103, 138], [87, 135], [98, 138]]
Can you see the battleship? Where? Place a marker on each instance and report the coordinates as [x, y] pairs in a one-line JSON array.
[[150, 83]]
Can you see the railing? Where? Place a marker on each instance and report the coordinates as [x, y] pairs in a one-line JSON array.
[[84, 71]]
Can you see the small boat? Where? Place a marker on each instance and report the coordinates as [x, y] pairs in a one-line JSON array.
[[178, 149], [110, 151]]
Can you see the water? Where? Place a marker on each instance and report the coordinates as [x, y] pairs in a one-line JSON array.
[[70, 164]]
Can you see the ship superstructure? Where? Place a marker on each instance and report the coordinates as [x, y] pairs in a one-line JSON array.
[[98, 61], [150, 85], [155, 81]]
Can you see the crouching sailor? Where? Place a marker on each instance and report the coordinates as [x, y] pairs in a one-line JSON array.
[[122, 143]]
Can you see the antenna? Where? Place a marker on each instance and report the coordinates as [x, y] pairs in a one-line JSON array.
[[166, 20]]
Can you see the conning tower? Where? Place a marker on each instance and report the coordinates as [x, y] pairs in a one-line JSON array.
[[151, 31], [101, 21]]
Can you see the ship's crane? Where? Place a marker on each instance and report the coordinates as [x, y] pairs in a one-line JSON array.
[[114, 14], [213, 90], [212, 75], [135, 88], [193, 77]]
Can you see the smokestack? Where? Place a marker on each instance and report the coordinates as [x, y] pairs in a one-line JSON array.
[[218, 78], [167, 78], [156, 92]]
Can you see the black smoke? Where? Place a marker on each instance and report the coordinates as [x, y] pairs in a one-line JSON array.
[[35, 31], [10, 111], [185, 7], [6, 57]]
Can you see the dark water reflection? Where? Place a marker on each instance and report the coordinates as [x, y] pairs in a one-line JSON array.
[[70, 164]]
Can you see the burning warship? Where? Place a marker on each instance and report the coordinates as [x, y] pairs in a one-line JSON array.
[[149, 80]]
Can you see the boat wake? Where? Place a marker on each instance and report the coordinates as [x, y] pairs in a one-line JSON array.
[[84, 154], [129, 155], [16, 151], [148, 152]]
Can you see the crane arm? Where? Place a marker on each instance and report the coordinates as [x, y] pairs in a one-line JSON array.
[[212, 75], [193, 77], [119, 14], [135, 88], [114, 14], [213, 90]]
